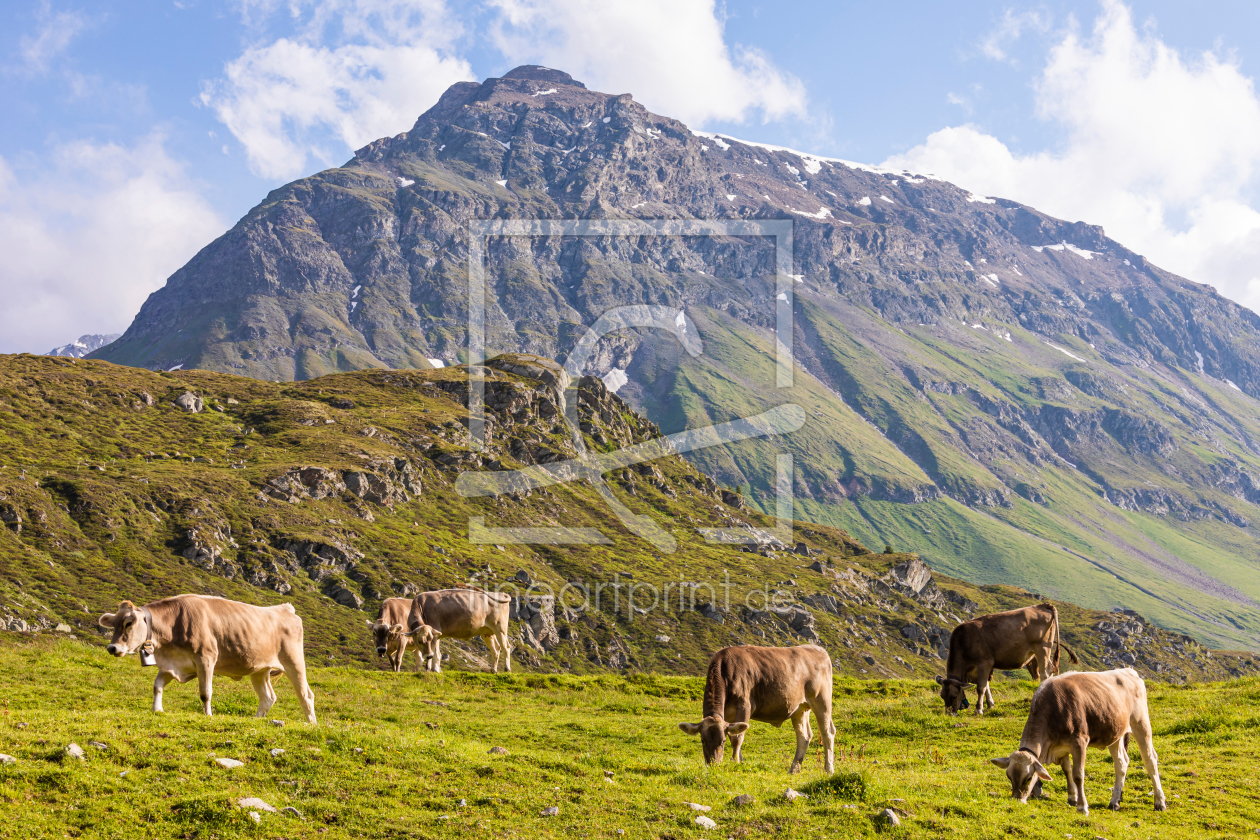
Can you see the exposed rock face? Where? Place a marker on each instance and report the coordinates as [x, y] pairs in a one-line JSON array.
[[537, 617], [953, 346]]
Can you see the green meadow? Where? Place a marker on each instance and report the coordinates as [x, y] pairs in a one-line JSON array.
[[409, 756]]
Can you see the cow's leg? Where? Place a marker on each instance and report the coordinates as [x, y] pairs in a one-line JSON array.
[[205, 682], [294, 663], [420, 664], [266, 694], [1120, 759], [402, 651], [159, 684], [821, 707], [507, 649], [1078, 775], [1150, 761], [493, 644], [982, 688], [800, 722], [1065, 764], [436, 662]]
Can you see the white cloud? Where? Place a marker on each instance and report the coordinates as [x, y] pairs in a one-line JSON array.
[[671, 54], [88, 238], [353, 71], [997, 42], [52, 38], [1160, 149]]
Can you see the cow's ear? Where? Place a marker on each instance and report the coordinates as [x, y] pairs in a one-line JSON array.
[[106, 620], [398, 629], [690, 728], [437, 634], [737, 728], [1041, 771], [371, 624], [1003, 762], [940, 680]]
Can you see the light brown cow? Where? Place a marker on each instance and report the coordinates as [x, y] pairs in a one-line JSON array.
[[460, 614], [390, 633], [1005, 641], [1072, 712], [201, 636], [769, 684]]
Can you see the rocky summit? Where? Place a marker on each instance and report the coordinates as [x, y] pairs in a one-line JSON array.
[[1017, 398]]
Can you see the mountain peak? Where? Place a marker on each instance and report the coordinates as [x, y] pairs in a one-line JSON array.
[[538, 73]]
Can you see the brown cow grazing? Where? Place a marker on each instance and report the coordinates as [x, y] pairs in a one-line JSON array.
[[460, 614], [1005, 641], [390, 633], [1072, 712], [769, 684], [201, 635]]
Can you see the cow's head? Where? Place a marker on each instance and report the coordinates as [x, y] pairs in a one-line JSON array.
[[713, 731], [426, 637], [130, 626], [1024, 770], [954, 693], [389, 639]]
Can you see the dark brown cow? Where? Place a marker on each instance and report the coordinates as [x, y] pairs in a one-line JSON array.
[[389, 631], [769, 684], [201, 635], [460, 614], [1005, 641], [1072, 712]]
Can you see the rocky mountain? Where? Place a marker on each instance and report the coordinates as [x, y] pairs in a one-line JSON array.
[[86, 344], [335, 493], [1017, 398]]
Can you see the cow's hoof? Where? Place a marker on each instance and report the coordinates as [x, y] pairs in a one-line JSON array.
[[1161, 806], [1115, 806], [1084, 812]]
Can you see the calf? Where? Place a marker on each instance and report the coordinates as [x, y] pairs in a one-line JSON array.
[[769, 684], [460, 614], [389, 631], [1072, 712], [1005, 641], [201, 636]]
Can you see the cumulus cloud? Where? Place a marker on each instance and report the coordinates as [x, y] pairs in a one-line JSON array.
[[89, 237], [671, 54], [1013, 25], [1161, 149], [352, 71]]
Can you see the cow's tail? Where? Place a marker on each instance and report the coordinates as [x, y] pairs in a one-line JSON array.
[[1054, 630]]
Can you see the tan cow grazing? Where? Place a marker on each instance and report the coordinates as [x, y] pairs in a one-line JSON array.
[[460, 614], [201, 636], [390, 632], [1072, 712], [769, 684], [1005, 641]]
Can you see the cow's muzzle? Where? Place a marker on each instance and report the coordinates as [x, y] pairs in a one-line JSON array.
[[115, 650], [380, 651]]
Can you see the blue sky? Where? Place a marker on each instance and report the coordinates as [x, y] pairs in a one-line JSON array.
[[134, 133]]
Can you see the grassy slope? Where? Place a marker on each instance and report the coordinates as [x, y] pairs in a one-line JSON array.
[[1196, 577], [897, 748]]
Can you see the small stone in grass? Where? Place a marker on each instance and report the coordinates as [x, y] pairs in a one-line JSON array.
[[277, 723], [705, 822], [742, 799], [255, 802], [553, 811], [291, 811], [277, 752], [75, 751], [100, 745], [463, 803], [228, 763], [889, 817], [7, 759], [696, 806], [358, 750], [793, 795], [255, 816], [498, 751]]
